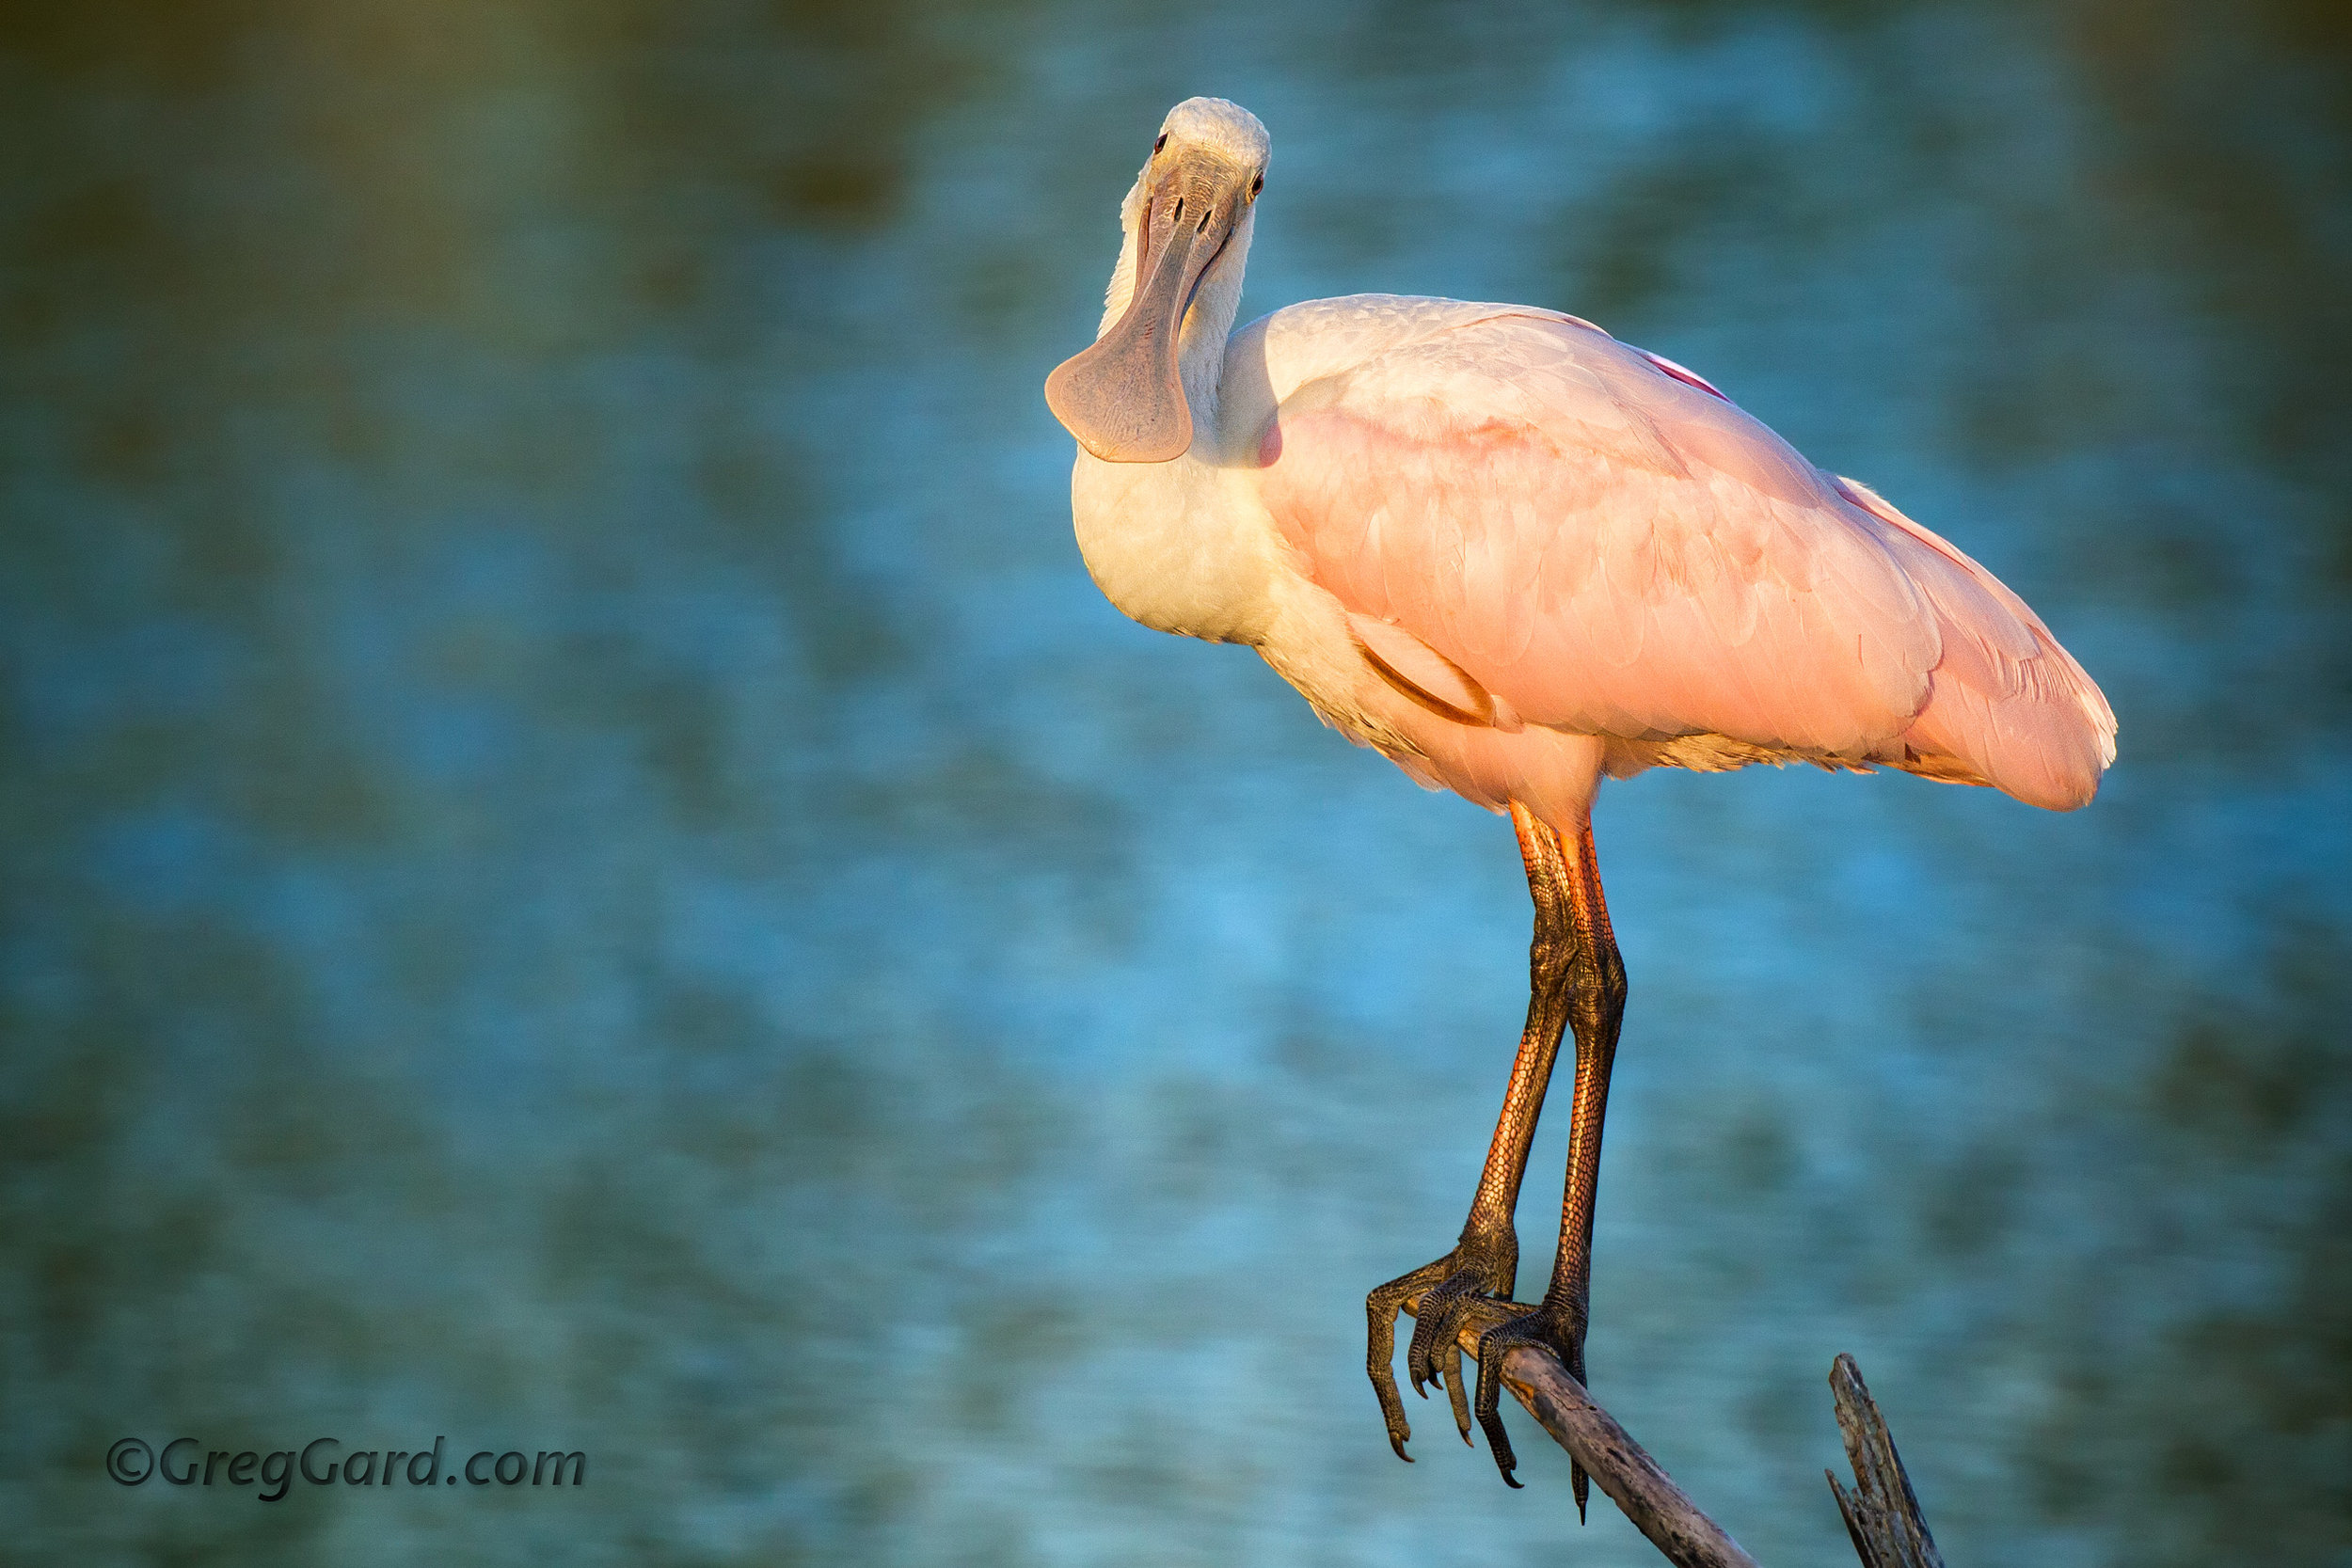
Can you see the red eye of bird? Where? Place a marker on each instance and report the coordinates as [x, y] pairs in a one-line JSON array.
[[1256, 185], [1162, 142]]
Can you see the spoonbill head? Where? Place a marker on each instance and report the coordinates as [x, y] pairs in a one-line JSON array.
[[1516, 556], [1173, 295]]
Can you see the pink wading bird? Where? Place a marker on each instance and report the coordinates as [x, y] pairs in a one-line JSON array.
[[1516, 556]]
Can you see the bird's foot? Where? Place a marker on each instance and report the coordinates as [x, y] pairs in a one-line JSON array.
[[1475, 1271], [1559, 1328]]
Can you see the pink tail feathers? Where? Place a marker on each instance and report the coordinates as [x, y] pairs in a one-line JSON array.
[[2006, 705], [2041, 745]]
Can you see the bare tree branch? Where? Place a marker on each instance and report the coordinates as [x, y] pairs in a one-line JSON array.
[[1646, 1494], [1882, 1514]]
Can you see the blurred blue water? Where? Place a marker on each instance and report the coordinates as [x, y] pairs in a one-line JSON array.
[[584, 868]]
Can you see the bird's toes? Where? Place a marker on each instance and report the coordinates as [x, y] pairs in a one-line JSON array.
[[1441, 1293], [1559, 1331]]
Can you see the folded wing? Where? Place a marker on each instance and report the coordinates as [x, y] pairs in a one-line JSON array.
[[1603, 542]]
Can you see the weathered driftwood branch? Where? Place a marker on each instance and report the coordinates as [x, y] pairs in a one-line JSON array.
[[1646, 1494], [1882, 1514], [1882, 1511]]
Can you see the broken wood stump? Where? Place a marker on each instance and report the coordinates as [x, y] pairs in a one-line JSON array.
[[1882, 1511]]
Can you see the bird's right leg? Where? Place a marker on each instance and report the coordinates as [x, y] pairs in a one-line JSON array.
[[1485, 1261]]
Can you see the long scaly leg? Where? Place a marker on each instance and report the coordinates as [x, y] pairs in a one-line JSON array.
[[1485, 1261], [1596, 1008]]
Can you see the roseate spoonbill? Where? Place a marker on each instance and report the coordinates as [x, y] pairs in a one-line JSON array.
[[1516, 556]]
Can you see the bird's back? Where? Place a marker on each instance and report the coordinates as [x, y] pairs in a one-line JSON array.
[[1605, 544]]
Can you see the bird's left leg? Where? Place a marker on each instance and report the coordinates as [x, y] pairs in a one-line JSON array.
[[1484, 1263], [1596, 985]]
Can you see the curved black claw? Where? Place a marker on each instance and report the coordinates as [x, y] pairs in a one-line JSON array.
[[1560, 1329], [1445, 1288]]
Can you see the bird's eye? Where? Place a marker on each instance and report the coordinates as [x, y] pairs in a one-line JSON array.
[[1162, 142], [1256, 185]]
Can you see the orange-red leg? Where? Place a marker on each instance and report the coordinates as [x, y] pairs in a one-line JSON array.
[[1484, 1263], [1596, 990]]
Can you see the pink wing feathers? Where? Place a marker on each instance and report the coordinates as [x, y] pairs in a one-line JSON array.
[[1602, 541]]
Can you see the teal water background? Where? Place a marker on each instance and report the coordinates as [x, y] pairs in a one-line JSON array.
[[582, 866]]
